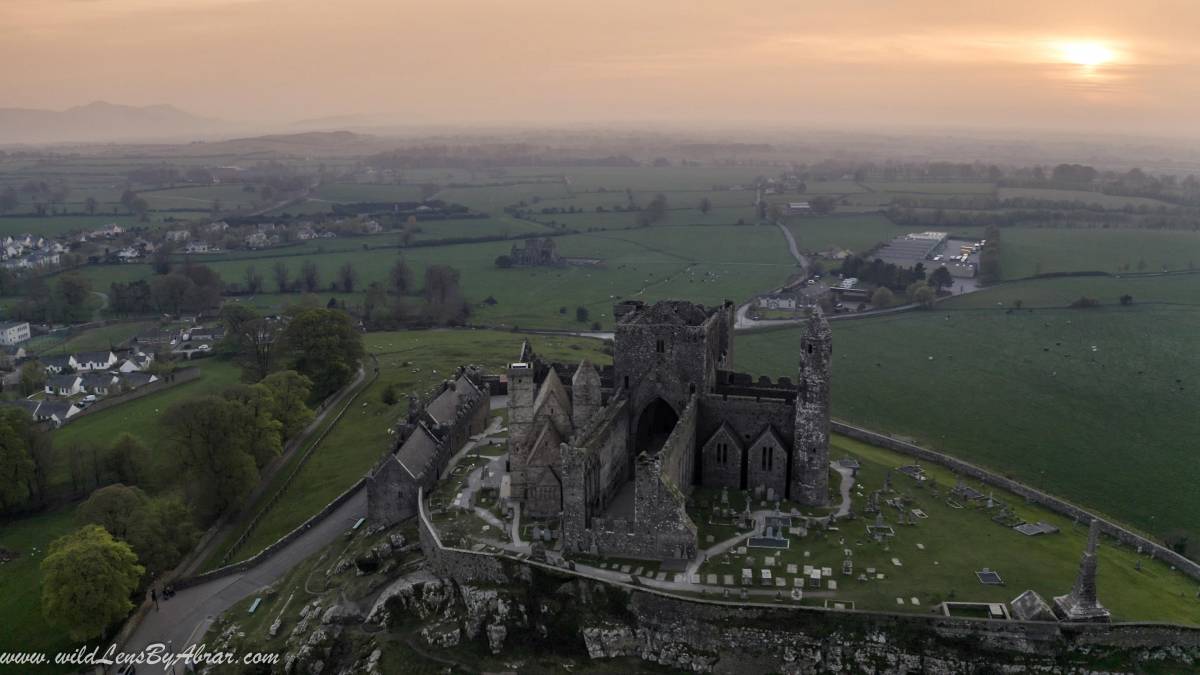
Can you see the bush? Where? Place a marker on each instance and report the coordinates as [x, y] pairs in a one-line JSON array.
[[1085, 302]]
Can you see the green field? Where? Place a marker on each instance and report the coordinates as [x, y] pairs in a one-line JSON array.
[[1027, 251], [367, 192], [48, 226], [1091, 198], [1094, 405], [857, 233], [957, 542], [1177, 289], [25, 628], [201, 198], [704, 264], [934, 188], [97, 339], [411, 361]]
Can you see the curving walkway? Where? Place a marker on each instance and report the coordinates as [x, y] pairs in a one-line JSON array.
[[184, 619]]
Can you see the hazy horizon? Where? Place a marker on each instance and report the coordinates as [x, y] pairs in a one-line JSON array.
[[1084, 67]]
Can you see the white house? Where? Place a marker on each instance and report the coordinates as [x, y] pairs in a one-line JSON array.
[[56, 364], [55, 412], [177, 235], [100, 384], [64, 385], [89, 361], [14, 332], [196, 247]]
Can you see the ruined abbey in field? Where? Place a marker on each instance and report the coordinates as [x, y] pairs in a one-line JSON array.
[[613, 453], [608, 456]]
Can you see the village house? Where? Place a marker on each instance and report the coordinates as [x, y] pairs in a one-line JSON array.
[[54, 365], [89, 361], [177, 235], [100, 384], [64, 385], [55, 412], [131, 381]]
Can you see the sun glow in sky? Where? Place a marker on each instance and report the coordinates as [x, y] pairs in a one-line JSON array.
[[1104, 64], [1085, 53]]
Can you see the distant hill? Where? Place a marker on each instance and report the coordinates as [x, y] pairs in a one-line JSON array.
[[104, 122], [304, 144]]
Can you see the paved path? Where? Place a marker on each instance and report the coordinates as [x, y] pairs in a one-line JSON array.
[[792, 247], [847, 483], [184, 619]]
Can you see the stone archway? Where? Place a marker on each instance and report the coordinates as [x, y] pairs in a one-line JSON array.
[[654, 426]]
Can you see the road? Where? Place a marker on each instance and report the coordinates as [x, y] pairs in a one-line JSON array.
[[185, 618]]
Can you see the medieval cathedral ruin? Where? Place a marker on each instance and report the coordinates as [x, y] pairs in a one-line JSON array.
[[613, 453]]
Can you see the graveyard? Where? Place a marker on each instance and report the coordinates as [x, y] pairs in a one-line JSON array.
[[918, 537]]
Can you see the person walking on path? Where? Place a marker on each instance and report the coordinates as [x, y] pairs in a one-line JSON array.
[[154, 597]]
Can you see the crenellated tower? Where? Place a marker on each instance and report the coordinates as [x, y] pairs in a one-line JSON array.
[[810, 454]]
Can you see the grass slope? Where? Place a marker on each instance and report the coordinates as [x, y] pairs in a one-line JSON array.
[[1025, 393]]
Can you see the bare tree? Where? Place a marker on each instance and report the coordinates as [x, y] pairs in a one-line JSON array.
[[282, 277], [254, 280]]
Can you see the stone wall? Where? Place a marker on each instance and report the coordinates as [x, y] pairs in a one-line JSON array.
[[1060, 506], [747, 417], [622, 618], [460, 565]]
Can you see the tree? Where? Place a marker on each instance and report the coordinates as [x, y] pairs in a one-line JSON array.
[[581, 314], [324, 346], [310, 276], [33, 377], [161, 260], [116, 508], [388, 395], [1126, 300], [920, 293], [282, 282], [265, 433], [90, 205], [251, 339], [705, 205], [504, 262], [347, 278], [443, 293], [989, 265], [290, 392], [8, 200], [87, 580], [124, 458], [254, 280], [17, 468], [211, 436], [655, 212], [401, 277], [941, 279], [69, 300], [882, 298]]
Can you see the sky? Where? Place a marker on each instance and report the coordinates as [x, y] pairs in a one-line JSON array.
[[1094, 65]]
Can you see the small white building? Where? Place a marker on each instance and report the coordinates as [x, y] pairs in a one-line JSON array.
[[14, 332]]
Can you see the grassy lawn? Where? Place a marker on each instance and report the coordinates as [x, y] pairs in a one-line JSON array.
[[955, 543], [1093, 405], [361, 437], [25, 628]]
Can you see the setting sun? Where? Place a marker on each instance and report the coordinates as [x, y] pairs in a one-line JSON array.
[[1085, 53]]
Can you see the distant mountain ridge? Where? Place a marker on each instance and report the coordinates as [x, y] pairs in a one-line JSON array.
[[101, 121]]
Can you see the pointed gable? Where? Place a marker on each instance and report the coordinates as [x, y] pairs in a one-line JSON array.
[[767, 453], [553, 403], [721, 459]]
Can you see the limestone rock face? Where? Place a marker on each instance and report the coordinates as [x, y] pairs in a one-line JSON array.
[[417, 595]]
